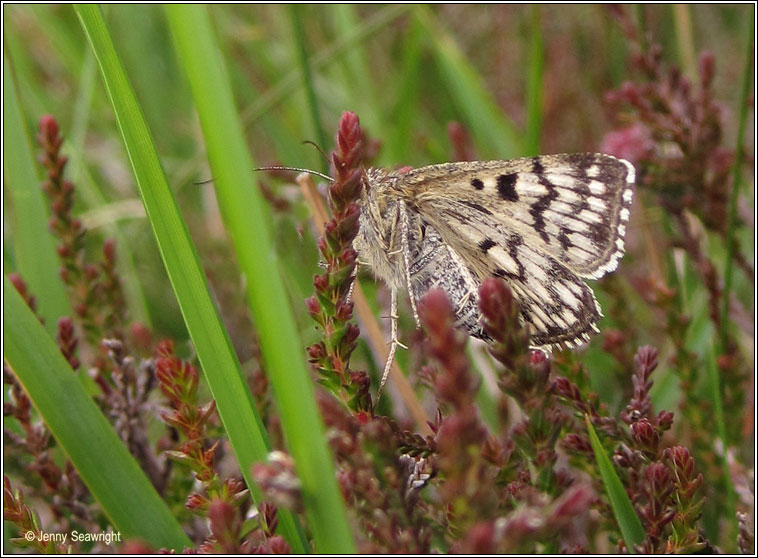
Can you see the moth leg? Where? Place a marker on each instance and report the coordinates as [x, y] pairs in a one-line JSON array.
[[406, 250], [349, 297], [394, 343]]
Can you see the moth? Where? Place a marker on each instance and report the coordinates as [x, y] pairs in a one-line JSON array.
[[543, 224]]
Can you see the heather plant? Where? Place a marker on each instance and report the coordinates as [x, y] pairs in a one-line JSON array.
[[206, 436]]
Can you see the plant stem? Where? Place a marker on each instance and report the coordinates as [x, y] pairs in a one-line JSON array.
[[731, 222]]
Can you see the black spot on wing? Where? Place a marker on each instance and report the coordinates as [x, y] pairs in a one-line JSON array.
[[486, 244], [478, 184], [552, 331], [506, 187]]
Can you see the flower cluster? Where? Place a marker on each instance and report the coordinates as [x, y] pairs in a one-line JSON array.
[[673, 130], [27, 521], [222, 501], [95, 288], [330, 306]]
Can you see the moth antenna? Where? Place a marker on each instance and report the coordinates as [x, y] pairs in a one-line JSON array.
[[296, 169], [314, 144]]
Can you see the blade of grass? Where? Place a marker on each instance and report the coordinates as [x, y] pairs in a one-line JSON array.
[[54, 25], [146, 60], [310, 91], [731, 222], [534, 87], [16, 48], [731, 225], [641, 20], [220, 365], [83, 106], [497, 136], [34, 247], [290, 81], [246, 217], [406, 107], [89, 191], [357, 79], [110, 472], [617, 55], [623, 511], [714, 388], [685, 44]]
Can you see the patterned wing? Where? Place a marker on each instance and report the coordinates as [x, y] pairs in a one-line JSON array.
[[433, 264], [559, 307], [573, 208], [541, 224]]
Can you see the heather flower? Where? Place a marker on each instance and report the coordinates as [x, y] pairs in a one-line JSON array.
[[278, 481], [330, 306], [20, 285], [633, 143]]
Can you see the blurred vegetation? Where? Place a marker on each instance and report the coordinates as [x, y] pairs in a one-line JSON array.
[[430, 84]]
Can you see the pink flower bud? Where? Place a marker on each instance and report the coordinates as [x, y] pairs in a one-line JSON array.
[[48, 127]]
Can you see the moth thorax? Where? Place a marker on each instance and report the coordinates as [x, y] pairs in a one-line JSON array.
[[373, 177]]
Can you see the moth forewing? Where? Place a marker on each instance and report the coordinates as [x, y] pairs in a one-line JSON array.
[[571, 207]]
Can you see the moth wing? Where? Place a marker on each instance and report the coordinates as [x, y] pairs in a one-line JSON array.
[[573, 208], [557, 304], [434, 264]]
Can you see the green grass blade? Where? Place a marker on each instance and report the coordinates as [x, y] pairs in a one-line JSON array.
[[731, 222], [495, 134], [246, 217], [34, 247], [534, 87], [682, 16], [217, 358], [406, 107], [714, 388], [298, 33], [83, 106], [629, 523], [112, 475], [291, 81], [714, 379], [357, 76], [731, 226]]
